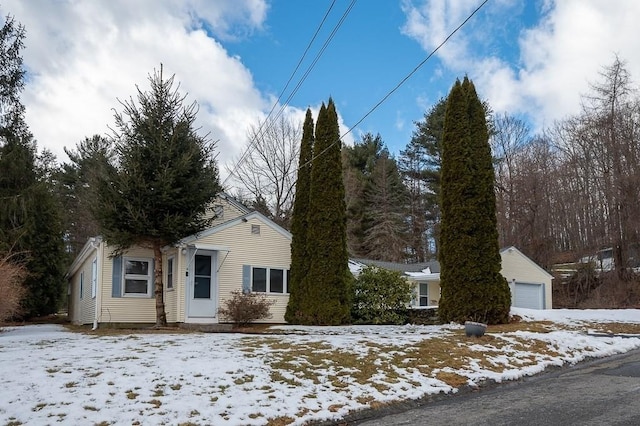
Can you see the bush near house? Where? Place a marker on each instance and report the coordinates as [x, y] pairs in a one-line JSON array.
[[380, 297], [12, 291], [243, 309]]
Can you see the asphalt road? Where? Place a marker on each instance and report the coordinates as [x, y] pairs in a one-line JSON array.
[[600, 392]]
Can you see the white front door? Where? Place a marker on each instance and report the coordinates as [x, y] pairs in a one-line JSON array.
[[202, 290]]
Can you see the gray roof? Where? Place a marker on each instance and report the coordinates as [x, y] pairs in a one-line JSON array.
[[433, 265]]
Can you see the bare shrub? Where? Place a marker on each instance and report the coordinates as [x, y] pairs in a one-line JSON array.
[[12, 291], [243, 309]]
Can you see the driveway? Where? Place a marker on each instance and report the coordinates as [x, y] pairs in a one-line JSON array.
[[600, 392]]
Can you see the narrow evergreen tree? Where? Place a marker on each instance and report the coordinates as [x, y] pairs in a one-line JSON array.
[[163, 180], [327, 287], [472, 286], [300, 222]]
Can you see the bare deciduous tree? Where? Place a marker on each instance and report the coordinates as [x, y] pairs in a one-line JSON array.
[[267, 170]]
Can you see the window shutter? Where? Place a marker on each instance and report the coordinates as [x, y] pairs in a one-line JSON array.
[[153, 278], [116, 279], [246, 279]]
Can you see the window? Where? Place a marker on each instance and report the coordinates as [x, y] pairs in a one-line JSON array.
[[255, 229], [269, 280], [81, 284], [276, 281], [170, 273], [94, 278], [423, 296], [137, 277], [259, 280]]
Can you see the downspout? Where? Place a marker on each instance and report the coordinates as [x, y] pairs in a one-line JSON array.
[[97, 244]]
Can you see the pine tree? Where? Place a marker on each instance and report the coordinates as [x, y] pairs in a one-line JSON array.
[[76, 181], [30, 216], [472, 286], [420, 164], [386, 233], [327, 287], [162, 181], [300, 222]]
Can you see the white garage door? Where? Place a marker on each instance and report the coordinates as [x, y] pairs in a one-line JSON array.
[[528, 296]]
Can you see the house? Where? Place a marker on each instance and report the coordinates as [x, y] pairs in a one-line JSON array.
[[530, 284], [242, 250]]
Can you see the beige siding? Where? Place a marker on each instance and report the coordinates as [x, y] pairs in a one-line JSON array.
[[82, 310], [229, 211], [268, 249], [171, 296], [124, 309], [433, 292], [517, 267]]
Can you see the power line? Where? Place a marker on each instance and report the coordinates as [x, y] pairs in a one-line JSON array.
[[385, 97], [269, 122], [260, 127]]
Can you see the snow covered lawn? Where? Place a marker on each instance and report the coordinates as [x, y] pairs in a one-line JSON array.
[[51, 375]]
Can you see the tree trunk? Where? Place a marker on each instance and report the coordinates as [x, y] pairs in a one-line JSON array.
[[161, 316]]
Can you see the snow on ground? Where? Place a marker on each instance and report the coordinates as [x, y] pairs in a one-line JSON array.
[[51, 375]]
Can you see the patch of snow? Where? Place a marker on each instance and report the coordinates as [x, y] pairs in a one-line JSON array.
[[50, 374]]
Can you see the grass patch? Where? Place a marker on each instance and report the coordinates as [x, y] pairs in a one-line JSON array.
[[176, 386], [280, 421], [91, 408], [71, 384], [39, 406], [131, 394], [155, 402], [248, 378]]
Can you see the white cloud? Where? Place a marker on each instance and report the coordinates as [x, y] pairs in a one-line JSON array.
[[83, 56], [558, 56]]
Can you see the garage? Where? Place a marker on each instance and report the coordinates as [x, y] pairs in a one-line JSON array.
[[528, 295]]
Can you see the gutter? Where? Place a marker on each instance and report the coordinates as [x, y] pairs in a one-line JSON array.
[[96, 243]]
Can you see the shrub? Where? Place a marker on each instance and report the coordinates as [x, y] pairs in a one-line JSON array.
[[12, 291], [381, 297], [243, 309]]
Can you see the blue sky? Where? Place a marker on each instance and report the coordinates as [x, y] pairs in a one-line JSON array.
[[533, 59]]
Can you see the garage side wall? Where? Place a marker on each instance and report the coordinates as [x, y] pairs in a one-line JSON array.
[[516, 267]]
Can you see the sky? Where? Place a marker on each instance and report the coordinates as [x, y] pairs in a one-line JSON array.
[[52, 375], [531, 59]]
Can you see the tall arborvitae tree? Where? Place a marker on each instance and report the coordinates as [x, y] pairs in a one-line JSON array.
[[300, 222], [30, 216], [163, 179], [472, 286], [327, 287]]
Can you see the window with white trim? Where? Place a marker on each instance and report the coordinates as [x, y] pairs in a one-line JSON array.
[[170, 273], [94, 278], [423, 294], [269, 280], [137, 277]]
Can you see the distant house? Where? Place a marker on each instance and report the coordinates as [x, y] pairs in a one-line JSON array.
[[530, 284], [242, 250]]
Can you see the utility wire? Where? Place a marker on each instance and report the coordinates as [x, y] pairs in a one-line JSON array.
[[260, 127], [270, 122], [385, 97]]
